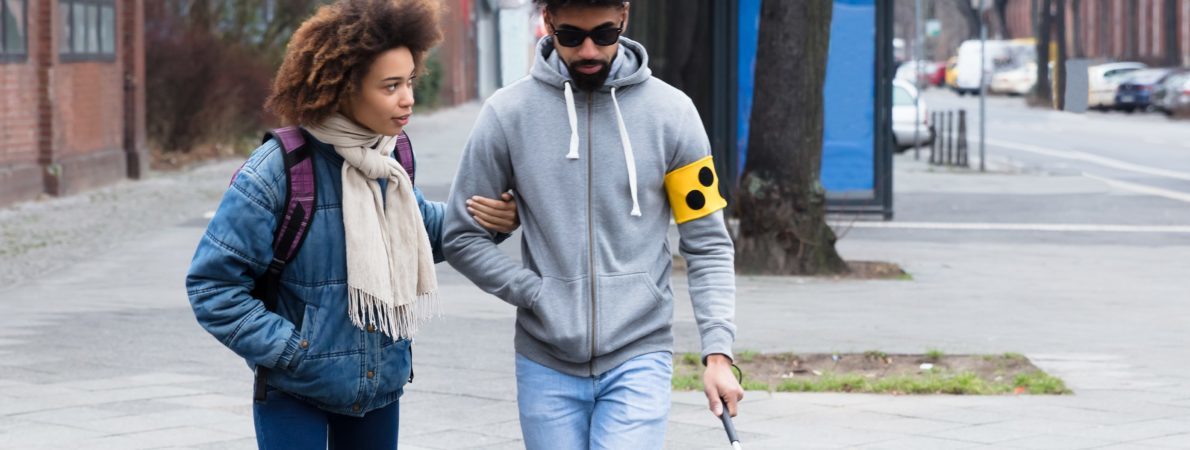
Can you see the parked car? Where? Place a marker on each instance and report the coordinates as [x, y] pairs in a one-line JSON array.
[[904, 117], [1017, 81], [1179, 105], [1017, 73], [907, 72], [968, 64], [1104, 79], [929, 76], [937, 75], [1172, 95], [952, 72], [1135, 91]]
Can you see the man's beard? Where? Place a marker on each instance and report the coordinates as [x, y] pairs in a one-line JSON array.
[[590, 82]]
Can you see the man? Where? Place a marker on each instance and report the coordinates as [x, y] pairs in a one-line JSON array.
[[601, 156]]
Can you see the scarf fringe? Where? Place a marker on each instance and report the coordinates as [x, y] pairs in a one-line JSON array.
[[396, 322]]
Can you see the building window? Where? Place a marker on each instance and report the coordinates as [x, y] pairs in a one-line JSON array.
[[14, 35], [88, 30]]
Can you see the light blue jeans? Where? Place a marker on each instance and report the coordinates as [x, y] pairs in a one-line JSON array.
[[627, 407]]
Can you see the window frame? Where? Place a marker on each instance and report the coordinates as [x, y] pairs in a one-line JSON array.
[[68, 20], [5, 56]]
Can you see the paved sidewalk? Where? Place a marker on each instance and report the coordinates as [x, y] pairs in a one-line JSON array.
[[102, 351]]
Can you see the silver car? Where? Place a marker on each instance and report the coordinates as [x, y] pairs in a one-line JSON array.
[[904, 117]]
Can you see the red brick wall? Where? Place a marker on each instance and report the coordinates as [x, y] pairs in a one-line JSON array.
[[20, 175], [88, 114], [1114, 39], [63, 123], [89, 118]]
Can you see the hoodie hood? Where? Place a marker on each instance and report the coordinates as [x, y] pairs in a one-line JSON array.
[[630, 67]]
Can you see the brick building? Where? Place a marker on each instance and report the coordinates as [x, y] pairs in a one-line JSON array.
[[71, 95], [1156, 32]]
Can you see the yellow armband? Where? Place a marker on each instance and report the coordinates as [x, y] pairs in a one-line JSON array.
[[694, 191]]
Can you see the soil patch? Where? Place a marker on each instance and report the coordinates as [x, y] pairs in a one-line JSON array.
[[878, 372]]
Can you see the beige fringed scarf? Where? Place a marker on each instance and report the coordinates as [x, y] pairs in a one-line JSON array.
[[391, 281]]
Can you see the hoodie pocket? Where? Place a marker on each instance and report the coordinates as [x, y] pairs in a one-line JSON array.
[[630, 308], [559, 317]]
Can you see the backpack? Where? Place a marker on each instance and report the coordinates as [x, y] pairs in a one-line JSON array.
[[300, 194]]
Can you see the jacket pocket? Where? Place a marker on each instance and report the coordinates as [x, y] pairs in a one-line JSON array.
[[560, 317], [305, 341], [396, 362], [630, 307], [326, 378]]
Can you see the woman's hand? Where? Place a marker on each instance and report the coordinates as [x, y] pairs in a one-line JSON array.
[[495, 215]]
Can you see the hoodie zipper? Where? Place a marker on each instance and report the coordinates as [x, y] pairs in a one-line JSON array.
[[590, 235]]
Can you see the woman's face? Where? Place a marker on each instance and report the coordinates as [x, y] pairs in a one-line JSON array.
[[383, 101]]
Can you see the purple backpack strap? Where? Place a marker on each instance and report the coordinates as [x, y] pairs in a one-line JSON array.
[[292, 226], [405, 155], [299, 197]]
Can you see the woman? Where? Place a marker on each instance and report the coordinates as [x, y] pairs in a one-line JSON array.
[[336, 349]]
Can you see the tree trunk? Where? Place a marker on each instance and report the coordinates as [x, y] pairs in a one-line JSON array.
[[1131, 44], [1173, 51], [1105, 30], [1002, 15], [201, 16], [1060, 60], [1042, 94], [781, 202], [971, 15], [1076, 22]]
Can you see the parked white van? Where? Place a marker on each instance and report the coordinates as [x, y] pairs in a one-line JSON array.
[[998, 54]]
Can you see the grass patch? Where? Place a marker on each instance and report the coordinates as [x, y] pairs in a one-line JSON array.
[[876, 355], [934, 354], [746, 356], [878, 372]]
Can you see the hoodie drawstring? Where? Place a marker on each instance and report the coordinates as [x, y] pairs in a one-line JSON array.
[[573, 116], [629, 157], [625, 143]]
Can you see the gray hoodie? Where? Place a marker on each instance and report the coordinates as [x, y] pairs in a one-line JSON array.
[[588, 172]]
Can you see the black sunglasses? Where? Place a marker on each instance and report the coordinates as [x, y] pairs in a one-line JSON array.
[[600, 36]]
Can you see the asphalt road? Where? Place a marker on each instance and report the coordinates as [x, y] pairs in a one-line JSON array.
[[1054, 177]]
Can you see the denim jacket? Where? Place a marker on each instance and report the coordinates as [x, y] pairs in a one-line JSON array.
[[309, 343]]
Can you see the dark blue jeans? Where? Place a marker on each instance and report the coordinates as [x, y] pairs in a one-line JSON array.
[[284, 422]]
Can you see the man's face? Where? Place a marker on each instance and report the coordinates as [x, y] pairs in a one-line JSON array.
[[588, 63]]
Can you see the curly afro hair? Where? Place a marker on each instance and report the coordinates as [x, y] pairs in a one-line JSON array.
[[553, 5], [332, 51]]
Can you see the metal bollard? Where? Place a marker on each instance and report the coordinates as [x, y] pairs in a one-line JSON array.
[[949, 137], [961, 157], [934, 145]]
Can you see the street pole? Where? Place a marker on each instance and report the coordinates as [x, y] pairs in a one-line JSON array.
[[917, 79], [983, 88]]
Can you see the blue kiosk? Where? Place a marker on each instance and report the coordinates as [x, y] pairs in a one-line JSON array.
[[707, 48], [857, 145]]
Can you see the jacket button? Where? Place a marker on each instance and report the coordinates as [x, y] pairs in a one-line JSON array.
[[355, 407], [371, 374], [305, 343], [371, 328]]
